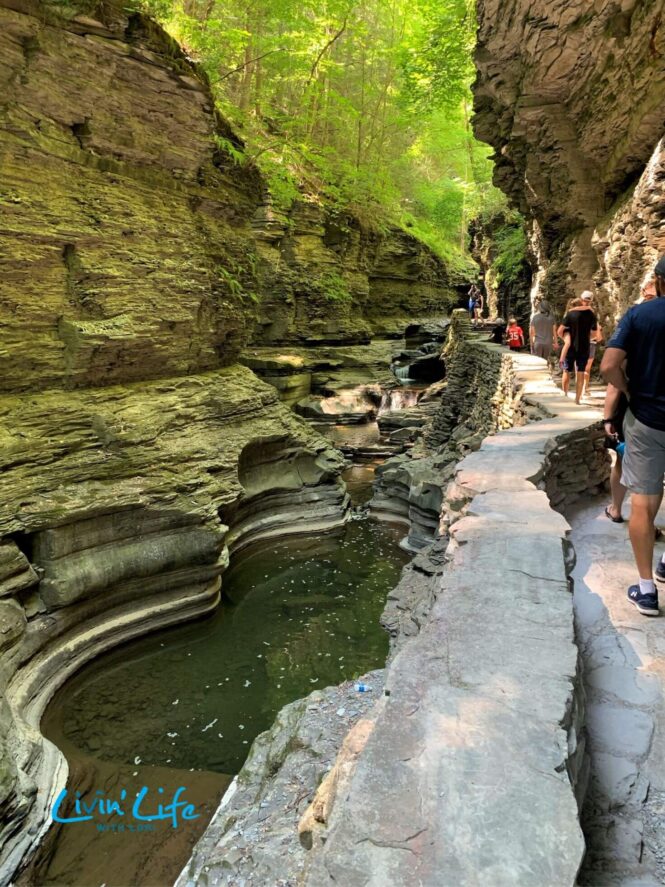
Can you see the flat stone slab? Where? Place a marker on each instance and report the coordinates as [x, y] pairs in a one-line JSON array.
[[627, 684]]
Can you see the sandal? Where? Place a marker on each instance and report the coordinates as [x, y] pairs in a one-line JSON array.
[[615, 520]]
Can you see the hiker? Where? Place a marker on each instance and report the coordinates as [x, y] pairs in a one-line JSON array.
[[514, 335], [595, 339], [638, 340], [575, 302], [542, 331], [480, 304], [474, 293], [579, 323], [616, 404]]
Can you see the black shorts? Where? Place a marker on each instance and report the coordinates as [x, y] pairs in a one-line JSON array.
[[575, 359]]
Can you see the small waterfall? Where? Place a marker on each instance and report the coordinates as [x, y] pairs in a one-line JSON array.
[[399, 399], [401, 372]]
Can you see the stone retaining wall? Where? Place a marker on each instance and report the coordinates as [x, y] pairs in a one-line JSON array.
[[577, 467], [480, 398], [480, 743]]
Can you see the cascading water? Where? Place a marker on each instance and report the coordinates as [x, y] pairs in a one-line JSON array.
[[401, 372], [359, 400], [399, 399]]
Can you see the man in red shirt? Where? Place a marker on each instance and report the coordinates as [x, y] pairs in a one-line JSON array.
[[514, 335]]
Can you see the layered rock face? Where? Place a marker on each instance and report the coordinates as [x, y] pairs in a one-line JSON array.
[[136, 247], [628, 240], [125, 224], [135, 453], [571, 98], [117, 508], [327, 279]]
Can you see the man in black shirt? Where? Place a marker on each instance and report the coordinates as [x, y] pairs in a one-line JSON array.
[[580, 322], [639, 340]]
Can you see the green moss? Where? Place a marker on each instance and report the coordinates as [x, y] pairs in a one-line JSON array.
[[511, 253], [334, 288]]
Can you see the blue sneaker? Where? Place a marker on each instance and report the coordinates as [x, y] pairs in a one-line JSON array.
[[647, 604], [660, 572]]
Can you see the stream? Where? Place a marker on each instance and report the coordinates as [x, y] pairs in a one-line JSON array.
[[181, 707]]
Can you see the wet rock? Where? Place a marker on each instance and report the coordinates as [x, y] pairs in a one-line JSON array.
[[12, 624], [125, 526], [418, 334]]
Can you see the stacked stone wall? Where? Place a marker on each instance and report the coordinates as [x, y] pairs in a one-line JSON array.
[[481, 397], [577, 467]]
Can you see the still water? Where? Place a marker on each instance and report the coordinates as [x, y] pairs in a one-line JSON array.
[[182, 707], [298, 615]]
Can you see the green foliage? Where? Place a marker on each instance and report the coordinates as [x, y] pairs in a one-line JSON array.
[[508, 233], [438, 66], [282, 182], [227, 147], [366, 103], [511, 254], [334, 287], [237, 276]]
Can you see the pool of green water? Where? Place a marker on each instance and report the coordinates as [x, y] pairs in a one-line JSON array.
[[297, 615]]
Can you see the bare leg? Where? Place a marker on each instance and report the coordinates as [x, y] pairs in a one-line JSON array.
[[565, 382], [641, 528], [587, 376], [579, 385], [617, 489]]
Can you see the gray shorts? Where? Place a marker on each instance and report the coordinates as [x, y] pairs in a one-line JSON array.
[[643, 468], [542, 350]]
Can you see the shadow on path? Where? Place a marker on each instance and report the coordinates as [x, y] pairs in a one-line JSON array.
[[624, 663]]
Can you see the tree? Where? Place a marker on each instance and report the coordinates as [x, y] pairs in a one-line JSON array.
[[364, 101]]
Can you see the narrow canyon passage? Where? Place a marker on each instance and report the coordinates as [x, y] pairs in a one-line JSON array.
[[623, 654], [266, 433]]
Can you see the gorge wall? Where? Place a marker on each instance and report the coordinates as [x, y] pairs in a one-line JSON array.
[[327, 279], [571, 97], [136, 453]]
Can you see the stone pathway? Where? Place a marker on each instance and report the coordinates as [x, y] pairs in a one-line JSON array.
[[624, 665]]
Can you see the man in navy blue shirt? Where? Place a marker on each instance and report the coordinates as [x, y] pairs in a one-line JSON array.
[[634, 362]]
